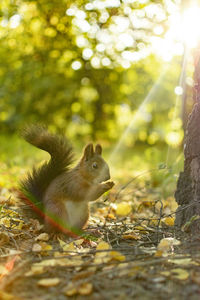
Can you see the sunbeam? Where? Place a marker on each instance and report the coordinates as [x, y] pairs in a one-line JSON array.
[[139, 113], [181, 84]]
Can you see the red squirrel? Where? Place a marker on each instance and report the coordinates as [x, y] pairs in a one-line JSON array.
[[58, 193]]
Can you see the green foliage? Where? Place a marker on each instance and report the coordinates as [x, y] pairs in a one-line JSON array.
[[47, 74]]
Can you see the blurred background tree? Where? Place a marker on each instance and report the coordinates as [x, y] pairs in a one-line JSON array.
[[87, 66], [108, 70]]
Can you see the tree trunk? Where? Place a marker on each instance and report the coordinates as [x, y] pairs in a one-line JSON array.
[[188, 187]]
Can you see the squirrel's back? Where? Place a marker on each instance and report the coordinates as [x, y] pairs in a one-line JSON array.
[[37, 181]]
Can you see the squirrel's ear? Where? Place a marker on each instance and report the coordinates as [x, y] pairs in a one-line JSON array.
[[89, 151], [98, 149]]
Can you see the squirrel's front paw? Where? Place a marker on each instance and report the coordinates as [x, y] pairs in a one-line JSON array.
[[109, 185]]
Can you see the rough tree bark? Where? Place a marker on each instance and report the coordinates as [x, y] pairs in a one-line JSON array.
[[188, 187]]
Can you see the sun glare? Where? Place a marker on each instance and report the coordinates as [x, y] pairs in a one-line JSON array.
[[191, 26], [186, 26]]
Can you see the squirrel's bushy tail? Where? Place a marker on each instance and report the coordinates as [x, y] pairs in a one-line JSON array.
[[60, 150]]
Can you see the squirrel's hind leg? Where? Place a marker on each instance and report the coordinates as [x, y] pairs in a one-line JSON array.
[[56, 217]]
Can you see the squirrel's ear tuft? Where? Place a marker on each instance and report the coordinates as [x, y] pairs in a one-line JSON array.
[[89, 151], [98, 149]]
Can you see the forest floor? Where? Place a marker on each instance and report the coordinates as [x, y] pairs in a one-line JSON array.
[[133, 251]]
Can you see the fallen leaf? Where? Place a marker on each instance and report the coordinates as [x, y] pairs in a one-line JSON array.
[[35, 270], [36, 247], [6, 296], [123, 209], [102, 256], [169, 221], [48, 282], [78, 242], [132, 236], [165, 273], [4, 238], [183, 261], [85, 289], [70, 290], [116, 255], [180, 274], [5, 221], [42, 237], [166, 245], [103, 246], [111, 216], [83, 275]]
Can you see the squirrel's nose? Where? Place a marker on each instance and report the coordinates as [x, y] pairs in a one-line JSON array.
[[107, 177]]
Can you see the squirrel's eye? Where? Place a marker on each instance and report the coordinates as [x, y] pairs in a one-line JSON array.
[[94, 165]]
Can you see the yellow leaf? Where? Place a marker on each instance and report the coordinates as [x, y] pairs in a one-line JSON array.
[[117, 256], [169, 221], [103, 246], [47, 262], [45, 246], [85, 289], [159, 253], [180, 274], [78, 242], [35, 270], [165, 273], [61, 242], [183, 261], [5, 221], [6, 296], [123, 209], [48, 282], [42, 237], [166, 244], [102, 260], [131, 236], [36, 247], [70, 290], [141, 228], [69, 247], [111, 216], [102, 256]]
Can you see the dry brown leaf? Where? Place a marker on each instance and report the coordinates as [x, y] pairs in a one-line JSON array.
[[48, 282], [83, 275], [4, 238], [132, 236]]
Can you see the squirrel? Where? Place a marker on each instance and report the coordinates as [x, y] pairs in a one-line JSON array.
[[58, 192]]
